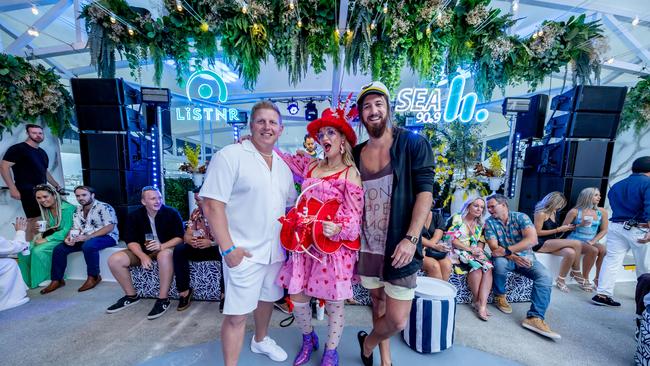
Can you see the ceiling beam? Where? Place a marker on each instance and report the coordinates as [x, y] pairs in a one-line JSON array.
[[338, 70], [628, 67], [16, 47], [582, 6], [60, 50], [11, 5], [627, 37]]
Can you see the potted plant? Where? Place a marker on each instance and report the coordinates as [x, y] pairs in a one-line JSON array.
[[192, 164]]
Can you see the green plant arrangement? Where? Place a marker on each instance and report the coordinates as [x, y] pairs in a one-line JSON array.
[[31, 93], [176, 194], [636, 110], [383, 36]]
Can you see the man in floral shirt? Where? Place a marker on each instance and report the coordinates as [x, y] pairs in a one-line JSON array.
[[510, 236], [94, 228]]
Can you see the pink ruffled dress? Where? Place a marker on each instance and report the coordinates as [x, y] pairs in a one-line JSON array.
[[331, 278]]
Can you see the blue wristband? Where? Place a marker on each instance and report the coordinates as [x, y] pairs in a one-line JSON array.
[[227, 251]]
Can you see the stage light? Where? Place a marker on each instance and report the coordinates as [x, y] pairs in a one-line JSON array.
[[311, 113], [635, 21], [293, 108]]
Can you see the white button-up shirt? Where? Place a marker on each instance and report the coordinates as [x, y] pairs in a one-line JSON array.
[[255, 197], [100, 214]]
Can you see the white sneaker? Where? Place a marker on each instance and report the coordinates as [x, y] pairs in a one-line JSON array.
[[268, 347]]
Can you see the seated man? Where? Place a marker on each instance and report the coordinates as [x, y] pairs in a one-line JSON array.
[[94, 227], [153, 231], [199, 246], [511, 235], [13, 291]]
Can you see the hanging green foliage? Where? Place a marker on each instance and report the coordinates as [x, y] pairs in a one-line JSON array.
[[636, 110], [31, 93], [434, 38]]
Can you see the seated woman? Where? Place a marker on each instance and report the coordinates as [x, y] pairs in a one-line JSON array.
[[57, 213], [549, 234], [12, 287], [591, 226], [466, 235], [437, 263]]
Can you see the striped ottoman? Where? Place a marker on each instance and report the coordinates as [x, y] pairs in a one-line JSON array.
[[431, 324]]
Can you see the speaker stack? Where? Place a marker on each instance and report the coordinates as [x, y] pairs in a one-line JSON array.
[[115, 150], [583, 155]]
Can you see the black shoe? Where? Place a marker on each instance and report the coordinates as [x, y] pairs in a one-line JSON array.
[[185, 301], [361, 337], [221, 302], [604, 300], [123, 303], [159, 308]]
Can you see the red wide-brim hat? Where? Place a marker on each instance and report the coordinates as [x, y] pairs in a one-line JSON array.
[[335, 119]]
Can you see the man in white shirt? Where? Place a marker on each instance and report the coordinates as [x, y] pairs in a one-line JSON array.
[[13, 291], [247, 188]]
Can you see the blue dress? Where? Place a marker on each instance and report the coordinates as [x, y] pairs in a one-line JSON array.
[[585, 233]]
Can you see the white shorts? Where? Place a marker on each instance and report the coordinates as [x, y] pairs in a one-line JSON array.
[[248, 283]]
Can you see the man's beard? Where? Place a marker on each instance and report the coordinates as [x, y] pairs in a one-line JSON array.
[[88, 203], [36, 140], [376, 131]]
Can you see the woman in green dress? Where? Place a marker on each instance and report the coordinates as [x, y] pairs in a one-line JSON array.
[[36, 266]]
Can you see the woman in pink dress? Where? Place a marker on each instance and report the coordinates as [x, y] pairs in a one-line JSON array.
[[313, 273]]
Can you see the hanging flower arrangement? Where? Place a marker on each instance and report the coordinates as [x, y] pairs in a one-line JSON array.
[[636, 110], [432, 37], [31, 93]]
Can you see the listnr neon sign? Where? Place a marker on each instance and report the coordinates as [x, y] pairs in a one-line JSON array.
[[207, 86], [426, 104]]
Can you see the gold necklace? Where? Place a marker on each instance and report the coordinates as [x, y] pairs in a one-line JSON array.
[[265, 155]]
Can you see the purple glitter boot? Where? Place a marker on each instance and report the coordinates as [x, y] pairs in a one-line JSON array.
[[330, 358], [309, 344]]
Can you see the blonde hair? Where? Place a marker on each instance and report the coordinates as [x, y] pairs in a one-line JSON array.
[[586, 198], [554, 201], [58, 203], [265, 104], [465, 209], [347, 158]]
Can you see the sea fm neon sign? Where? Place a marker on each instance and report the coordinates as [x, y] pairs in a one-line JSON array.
[[426, 104], [207, 86]]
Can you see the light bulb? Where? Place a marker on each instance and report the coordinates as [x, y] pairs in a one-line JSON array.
[[299, 23], [515, 5], [635, 21], [112, 19], [244, 9], [179, 5], [34, 10], [373, 26], [385, 9], [291, 6], [610, 61], [131, 32]]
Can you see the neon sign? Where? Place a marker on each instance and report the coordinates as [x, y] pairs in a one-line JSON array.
[[207, 86], [426, 104]]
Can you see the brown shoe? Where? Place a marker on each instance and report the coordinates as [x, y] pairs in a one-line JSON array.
[[539, 326], [502, 304], [90, 283], [52, 286]]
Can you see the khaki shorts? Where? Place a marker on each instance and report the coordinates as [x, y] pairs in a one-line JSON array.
[[393, 291], [134, 260]]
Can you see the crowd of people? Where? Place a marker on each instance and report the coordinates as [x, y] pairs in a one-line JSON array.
[[364, 212]]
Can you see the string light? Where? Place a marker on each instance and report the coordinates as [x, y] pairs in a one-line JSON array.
[[34, 10], [244, 9], [428, 31], [635, 21], [112, 19], [179, 5], [299, 23], [373, 25], [33, 32], [291, 6], [610, 61], [385, 8], [130, 30], [515, 5]]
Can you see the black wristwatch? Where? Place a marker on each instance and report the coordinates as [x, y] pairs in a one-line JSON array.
[[413, 239], [508, 252]]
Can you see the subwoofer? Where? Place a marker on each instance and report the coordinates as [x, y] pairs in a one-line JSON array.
[[125, 151]]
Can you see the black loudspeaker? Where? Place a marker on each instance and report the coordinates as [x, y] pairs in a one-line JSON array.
[[122, 212], [117, 187], [587, 98], [531, 123], [103, 92], [534, 187], [151, 115], [128, 151], [570, 158], [586, 125], [108, 118]]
